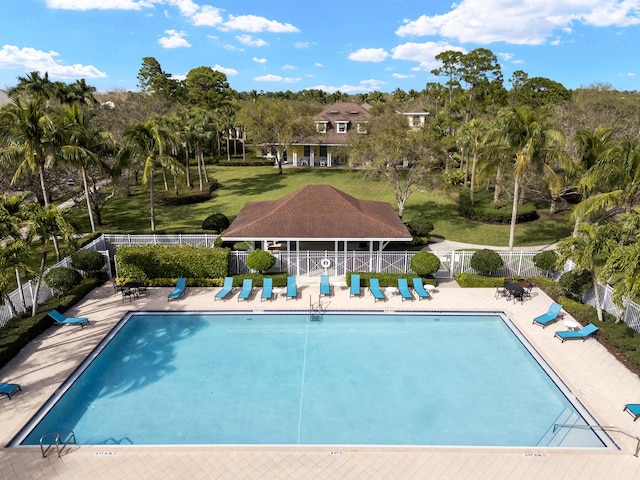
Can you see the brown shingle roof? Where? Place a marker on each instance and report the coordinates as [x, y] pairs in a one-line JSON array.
[[317, 212]]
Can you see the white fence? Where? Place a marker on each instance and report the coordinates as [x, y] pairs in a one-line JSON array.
[[315, 263]]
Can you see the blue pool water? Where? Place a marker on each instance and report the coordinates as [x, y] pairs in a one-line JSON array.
[[374, 379]]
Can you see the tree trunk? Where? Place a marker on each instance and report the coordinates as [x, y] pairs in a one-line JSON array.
[[186, 166], [56, 246], [597, 296], [45, 195], [9, 303], [34, 306], [472, 188], [204, 167], [497, 190], [20, 292], [88, 198], [152, 202], [164, 179], [514, 213]]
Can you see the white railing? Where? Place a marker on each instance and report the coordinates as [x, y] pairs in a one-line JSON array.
[[315, 263]]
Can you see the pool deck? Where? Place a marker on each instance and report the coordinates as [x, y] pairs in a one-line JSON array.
[[594, 376]]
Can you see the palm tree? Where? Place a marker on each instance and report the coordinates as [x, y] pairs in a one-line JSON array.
[[46, 224], [34, 85], [618, 172], [84, 146], [472, 134], [148, 143], [10, 262], [533, 143], [589, 250], [32, 139]]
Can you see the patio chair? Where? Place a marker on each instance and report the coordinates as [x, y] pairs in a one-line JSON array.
[[292, 288], [247, 287], [60, 319], [227, 288], [9, 389], [403, 288], [374, 288], [181, 286], [418, 287], [354, 290], [551, 316], [583, 333], [325, 286], [267, 289], [633, 409]]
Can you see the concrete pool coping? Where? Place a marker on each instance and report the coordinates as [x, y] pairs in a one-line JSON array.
[[595, 376]]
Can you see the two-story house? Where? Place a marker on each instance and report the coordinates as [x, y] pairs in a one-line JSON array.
[[333, 124]]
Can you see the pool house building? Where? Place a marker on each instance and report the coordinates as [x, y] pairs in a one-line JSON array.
[[320, 228]]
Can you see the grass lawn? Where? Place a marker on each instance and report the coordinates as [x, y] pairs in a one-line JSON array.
[[239, 185]]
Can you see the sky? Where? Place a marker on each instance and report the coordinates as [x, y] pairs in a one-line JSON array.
[[354, 46]]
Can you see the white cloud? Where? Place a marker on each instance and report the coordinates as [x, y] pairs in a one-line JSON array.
[[232, 72], [302, 44], [259, 60], [276, 78], [31, 59], [628, 74], [250, 41], [423, 53], [402, 76], [318, 64], [254, 24], [207, 17], [374, 55], [288, 67], [364, 86], [99, 4], [174, 40], [505, 56], [522, 23]]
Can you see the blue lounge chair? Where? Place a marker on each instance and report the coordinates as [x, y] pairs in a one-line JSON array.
[[292, 288], [374, 288], [354, 290], [633, 409], [325, 286], [181, 286], [247, 286], [403, 288], [583, 333], [60, 319], [227, 288], [267, 289], [551, 316], [9, 389], [418, 287]]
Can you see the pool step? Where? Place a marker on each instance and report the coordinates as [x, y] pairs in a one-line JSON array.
[[555, 438]]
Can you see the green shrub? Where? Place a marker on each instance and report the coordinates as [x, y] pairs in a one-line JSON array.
[[62, 279], [420, 229], [171, 261], [576, 283], [260, 260], [425, 263], [186, 197], [473, 280], [216, 223], [546, 260], [486, 261], [484, 211], [89, 261]]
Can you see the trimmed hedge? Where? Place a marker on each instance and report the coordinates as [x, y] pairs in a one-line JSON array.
[[62, 279], [483, 210], [425, 263], [186, 197], [486, 261], [387, 279], [171, 261]]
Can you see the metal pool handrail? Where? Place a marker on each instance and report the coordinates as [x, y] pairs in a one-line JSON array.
[[70, 438], [604, 428]]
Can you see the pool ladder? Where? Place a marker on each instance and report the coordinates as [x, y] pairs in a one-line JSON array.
[[316, 310], [604, 428], [60, 440]]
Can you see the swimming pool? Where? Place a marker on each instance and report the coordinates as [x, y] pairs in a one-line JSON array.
[[354, 379]]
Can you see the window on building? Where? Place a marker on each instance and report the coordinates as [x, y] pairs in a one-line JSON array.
[[341, 127], [321, 127]]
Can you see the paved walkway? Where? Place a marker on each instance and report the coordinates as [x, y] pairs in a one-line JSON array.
[[594, 376], [440, 244]]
